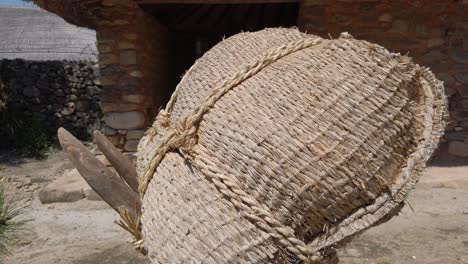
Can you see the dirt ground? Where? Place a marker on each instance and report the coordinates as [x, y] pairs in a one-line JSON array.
[[435, 230]]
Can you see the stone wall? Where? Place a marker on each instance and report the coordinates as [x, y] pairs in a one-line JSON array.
[[55, 93], [133, 61], [434, 33]]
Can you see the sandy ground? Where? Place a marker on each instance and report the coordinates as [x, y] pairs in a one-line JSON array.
[[83, 232]]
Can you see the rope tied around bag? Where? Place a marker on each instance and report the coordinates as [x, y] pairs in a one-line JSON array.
[[183, 135]]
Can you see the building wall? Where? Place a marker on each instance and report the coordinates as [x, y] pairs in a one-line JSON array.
[[434, 33], [132, 58], [53, 93]]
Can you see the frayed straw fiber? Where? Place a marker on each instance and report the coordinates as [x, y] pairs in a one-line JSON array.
[[277, 145]]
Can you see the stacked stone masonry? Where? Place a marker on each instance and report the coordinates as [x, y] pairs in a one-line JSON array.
[[55, 93], [132, 54], [434, 33], [134, 51]]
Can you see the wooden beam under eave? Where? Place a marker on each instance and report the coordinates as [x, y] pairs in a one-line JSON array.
[[213, 1]]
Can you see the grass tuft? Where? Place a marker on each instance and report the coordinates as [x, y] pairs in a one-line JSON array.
[[10, 226], [131, 225]]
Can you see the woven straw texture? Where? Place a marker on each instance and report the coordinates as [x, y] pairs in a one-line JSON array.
[[278, 145]]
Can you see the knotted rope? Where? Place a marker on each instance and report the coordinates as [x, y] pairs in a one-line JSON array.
[[183, 136]]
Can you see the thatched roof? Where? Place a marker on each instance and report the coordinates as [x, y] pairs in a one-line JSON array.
[[35, 34]]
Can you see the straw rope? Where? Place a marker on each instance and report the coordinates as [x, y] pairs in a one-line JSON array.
[[183, 137]]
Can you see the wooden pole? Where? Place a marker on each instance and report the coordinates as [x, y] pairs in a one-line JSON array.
[[121, 164], [112, 189]]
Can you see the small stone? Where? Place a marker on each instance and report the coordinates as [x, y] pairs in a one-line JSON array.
[[437, 31], [68, 109], [357, 1], [125, 120], [122, 131], [114, 107], [341, 19], [119, 22], [93, 90], [110, 70], [85, 97], [463, 90], [462, 77], [34, 188], [23, 242], [59, 93], [126, 45], [104, 48], [421, 31], [31, 92], [135, 134], [386, 17], [435, 42], [107, 81], [131, 156], [314, 2], [399, 26], [136, 74], [458, 148], [446, 78], [433, 56], [108, 3], [35, 180], [465, 104], [449, 90], [460, 56], [131, 36], [131, 145], [459, 67], [128, 57], [82, 106], [72, 97], [134, 98], [106, 59], [115, 140], [68, 188], [107, 131], [455, 136]]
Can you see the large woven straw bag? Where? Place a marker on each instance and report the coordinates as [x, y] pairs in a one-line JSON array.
[[277, 145]]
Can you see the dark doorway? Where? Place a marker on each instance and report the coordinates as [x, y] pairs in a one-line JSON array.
[[195, 28]]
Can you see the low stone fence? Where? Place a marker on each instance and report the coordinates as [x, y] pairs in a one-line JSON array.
[[54, 94]]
